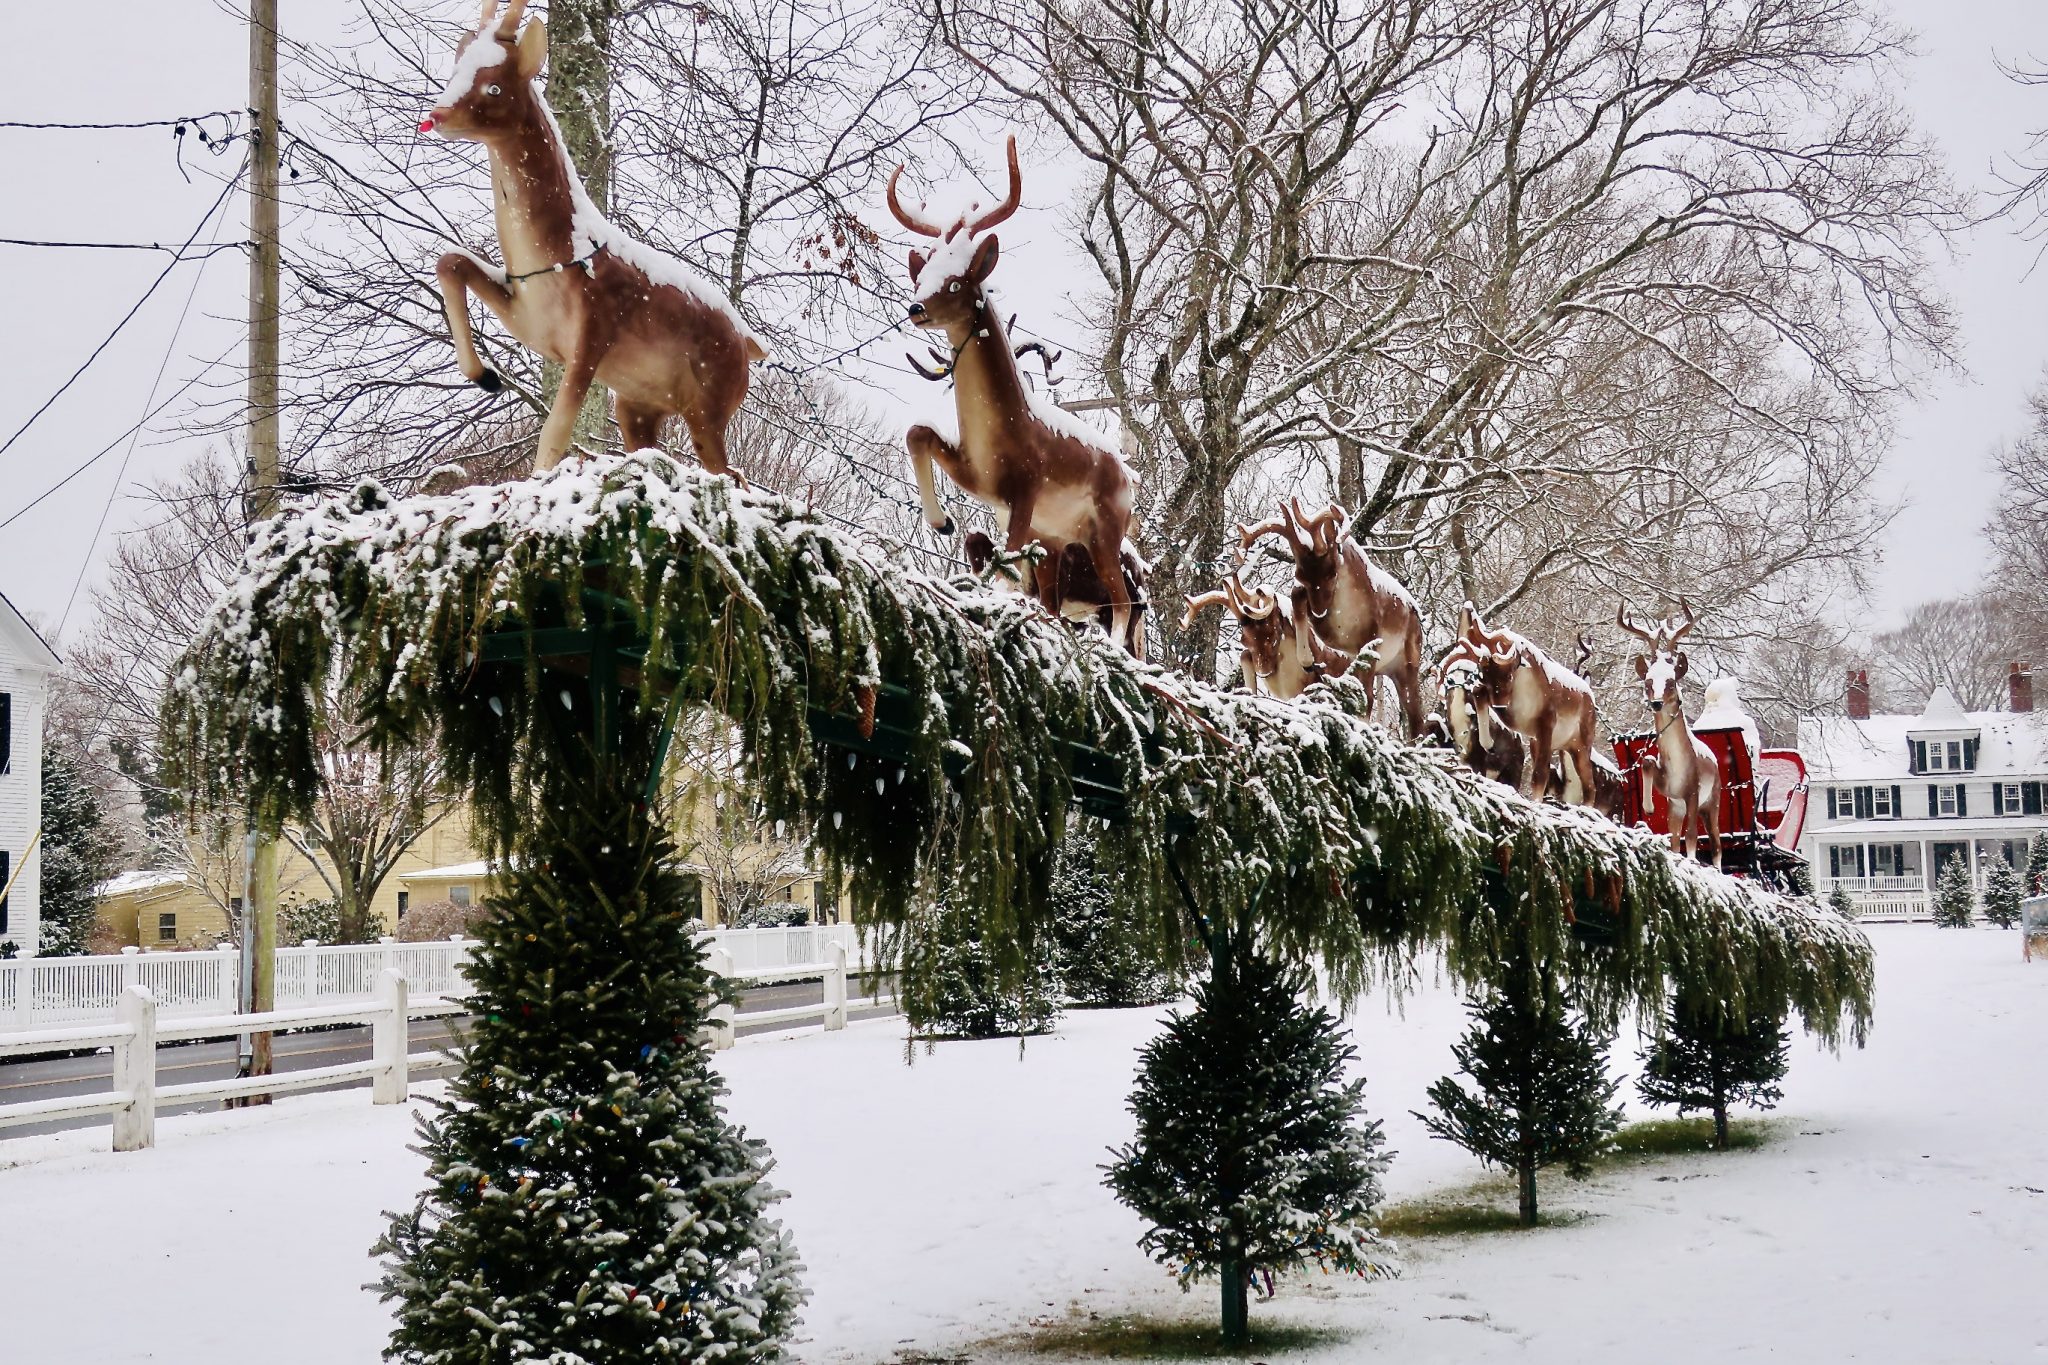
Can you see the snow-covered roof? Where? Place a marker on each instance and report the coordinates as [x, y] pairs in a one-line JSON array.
[[1839, 749], [1943, 827], [452, 872], [145, 880], [34, 649], [1943, 712]]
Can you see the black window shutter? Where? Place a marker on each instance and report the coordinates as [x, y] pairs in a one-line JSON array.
[[1919, 755], [1969, 755], [1898, 806], [1898, 860], [6, 732], [3, 899], [2030, 798], [1998, 800], [1831, 804], [1962, 799], [1863, 803], [1933, 799], [1834, 857]]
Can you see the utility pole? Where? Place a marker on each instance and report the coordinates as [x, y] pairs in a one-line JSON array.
[[259, 903]]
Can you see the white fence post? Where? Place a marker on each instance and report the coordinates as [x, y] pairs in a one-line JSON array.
[[720, 963], [135, 1071], [388, 1039], [22, 995], [835, 986]]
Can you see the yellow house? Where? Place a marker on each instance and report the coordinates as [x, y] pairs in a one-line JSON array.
[[191, 907]]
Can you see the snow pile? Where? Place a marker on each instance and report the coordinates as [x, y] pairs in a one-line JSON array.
[[931, 736]]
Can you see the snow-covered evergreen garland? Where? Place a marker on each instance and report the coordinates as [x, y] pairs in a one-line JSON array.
[[1354, 848]]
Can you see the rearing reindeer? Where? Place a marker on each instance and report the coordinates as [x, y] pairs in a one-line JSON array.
[[1678, 762], [1269, 647], [1543, 701], [1349, 602], [1046, 475], [607, 309]]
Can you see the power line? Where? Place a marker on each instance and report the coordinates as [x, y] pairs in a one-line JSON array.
[[109, 447], [211, 249], [127, 317], [135, 434], [191, 120]]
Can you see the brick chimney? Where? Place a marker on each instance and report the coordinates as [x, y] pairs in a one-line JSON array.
[[2020, 684], [1859, 694]]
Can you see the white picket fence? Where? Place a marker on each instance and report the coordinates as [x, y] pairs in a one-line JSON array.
[[51, 992], [137, 1029], [138, 1025]]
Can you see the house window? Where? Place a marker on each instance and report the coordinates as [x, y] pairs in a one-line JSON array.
[[1955, 755], [404, 903], [167, 927], [458, 895], [1935, 762], [1881, 803], [1944, 800], [1886, 860], [2008, 798]]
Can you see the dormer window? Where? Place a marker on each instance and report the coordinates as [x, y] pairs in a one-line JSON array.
[[1945, 755]]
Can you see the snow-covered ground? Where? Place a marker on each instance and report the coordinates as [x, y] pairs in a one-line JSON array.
[[1899, 1216]]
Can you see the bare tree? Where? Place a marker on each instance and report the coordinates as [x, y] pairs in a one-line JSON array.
[[2018, 535], [163, 579], [1536, 282], [1962, 643]]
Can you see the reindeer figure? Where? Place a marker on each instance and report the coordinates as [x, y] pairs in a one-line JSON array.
[[1079, 588], [1269, 646], [1045, 474], [1479, 734], [608, 309], [1543, 701], [1678, 763], [1349, 602]]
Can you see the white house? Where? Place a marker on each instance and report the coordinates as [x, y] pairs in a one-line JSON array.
[[1894, 798], [26, 664]]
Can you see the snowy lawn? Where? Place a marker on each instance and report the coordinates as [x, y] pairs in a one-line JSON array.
[[946, 1207]]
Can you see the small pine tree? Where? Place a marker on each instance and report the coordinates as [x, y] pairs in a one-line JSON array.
[[955, 990], [1841, 902], [1541, 1093], [78, 854], [1251, 1153], [588, 1199], [2003, 891], [1706, 1062], [1102, 959], [2037, 866], [1955, 897], [1799, 878]]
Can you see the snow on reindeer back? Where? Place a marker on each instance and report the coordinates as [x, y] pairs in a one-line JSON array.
[[591, 230]]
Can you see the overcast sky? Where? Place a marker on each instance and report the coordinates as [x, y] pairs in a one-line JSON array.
[[127, 60]]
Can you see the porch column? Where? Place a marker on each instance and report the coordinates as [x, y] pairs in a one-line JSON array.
[[1927, 867]]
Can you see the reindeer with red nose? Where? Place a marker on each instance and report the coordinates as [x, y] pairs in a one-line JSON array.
[[1045, 475], [1270, 647], [1678, 763], [1347, 603], [609, 310], [1541, 700]]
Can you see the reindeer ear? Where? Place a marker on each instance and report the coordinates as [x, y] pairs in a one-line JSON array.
[[533, 49], [984, 262], [1678, 670], [917, 260], [1642, 667]]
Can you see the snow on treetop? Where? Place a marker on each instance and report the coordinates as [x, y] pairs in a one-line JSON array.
[[1346, 845]]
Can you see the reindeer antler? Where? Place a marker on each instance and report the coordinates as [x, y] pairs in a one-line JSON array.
[[903, 215], [1627, 621], [945, 370], [1255, 606], [1679, 632], [1215, 597], [1585, 651], [508, 23], [490, 13], [1248, 536], [1010, 201]]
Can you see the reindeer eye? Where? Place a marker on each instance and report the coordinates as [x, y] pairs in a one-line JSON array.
[[490, 90], [953, 288]]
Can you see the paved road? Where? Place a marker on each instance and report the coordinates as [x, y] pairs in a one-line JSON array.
[[178, 1065]]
